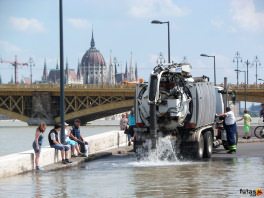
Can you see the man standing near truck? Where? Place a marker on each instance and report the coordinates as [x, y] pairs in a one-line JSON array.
[[231, 129]]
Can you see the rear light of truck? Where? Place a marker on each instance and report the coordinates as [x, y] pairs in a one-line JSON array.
[[190, 125], [140, 124]]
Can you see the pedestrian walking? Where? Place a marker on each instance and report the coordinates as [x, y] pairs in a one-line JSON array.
[[37, 143], [247, 123], [132, 124], [123, 122]]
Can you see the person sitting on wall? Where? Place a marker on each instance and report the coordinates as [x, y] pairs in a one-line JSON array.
[[76, 136], [56, 144], [73, 144]]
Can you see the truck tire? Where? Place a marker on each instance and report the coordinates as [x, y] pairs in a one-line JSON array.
[[199, 150], [208, 144]]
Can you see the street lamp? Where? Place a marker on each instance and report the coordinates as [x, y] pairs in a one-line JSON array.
[[260, 79], [205, 55], [62, 134], [257, 63], [236, 60], [245, 88], [168, 23]]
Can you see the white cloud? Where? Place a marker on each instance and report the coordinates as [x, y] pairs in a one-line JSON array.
[[245, 15], [79, 23], [9, 47], [156, 8], [217, 23], [26, 24]]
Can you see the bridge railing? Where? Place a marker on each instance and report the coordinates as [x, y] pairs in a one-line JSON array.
[[77, 86], [249, 86]]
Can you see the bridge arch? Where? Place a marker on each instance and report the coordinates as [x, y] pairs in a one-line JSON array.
[[14, 115], [99, 111]]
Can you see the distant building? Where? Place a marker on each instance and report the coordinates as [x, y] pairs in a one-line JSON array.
[[93, 67], [71, 77], [26, 81], [92, 70]]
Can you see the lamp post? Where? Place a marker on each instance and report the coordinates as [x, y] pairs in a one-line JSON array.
[[247, 64], [62, 133], [245, 88], [205, 55], [260, 79], [257, 63], [31, 64], [168, 23], [237, 59]]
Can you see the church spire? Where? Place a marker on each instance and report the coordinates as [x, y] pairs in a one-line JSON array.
[[126, 73], [79, 70], [44, 76], [67, 71], [131, 69], [136, 72], [92, 41], [12, 80], [57, 66]]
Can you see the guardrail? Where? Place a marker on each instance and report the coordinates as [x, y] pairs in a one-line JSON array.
[[68, 86]]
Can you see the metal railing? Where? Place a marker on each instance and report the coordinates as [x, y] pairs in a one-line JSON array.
[[67, 86]]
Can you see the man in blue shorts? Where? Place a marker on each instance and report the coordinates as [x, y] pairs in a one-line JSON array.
[[55, 143]]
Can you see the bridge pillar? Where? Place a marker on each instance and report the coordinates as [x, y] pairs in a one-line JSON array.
[[42, 108]]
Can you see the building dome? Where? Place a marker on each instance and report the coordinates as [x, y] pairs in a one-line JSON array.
[[92, 57], [93, 66]]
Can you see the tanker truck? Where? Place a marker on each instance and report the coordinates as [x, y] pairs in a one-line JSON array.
[[176, 105]]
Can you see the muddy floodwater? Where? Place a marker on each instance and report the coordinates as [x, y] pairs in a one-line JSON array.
[[123, 176]]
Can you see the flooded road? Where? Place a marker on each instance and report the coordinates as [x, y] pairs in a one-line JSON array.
[[122, 176]]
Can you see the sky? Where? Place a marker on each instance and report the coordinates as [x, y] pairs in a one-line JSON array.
[[30, 28]]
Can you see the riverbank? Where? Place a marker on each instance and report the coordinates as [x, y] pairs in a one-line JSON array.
[[22, 162], [13, 123]]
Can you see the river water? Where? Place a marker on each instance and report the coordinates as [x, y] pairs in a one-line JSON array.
[[18, 138], [123, 176]]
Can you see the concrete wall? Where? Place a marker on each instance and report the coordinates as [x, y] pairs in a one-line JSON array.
[[18, 163]]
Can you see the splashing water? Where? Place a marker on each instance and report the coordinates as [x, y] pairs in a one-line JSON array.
[[164, 152], [163, 155]]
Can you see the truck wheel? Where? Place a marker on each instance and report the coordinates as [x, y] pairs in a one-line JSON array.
[[199, 152], [208, 144]]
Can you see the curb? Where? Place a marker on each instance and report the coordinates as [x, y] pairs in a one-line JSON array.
[[251, 140], [75, 161]]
